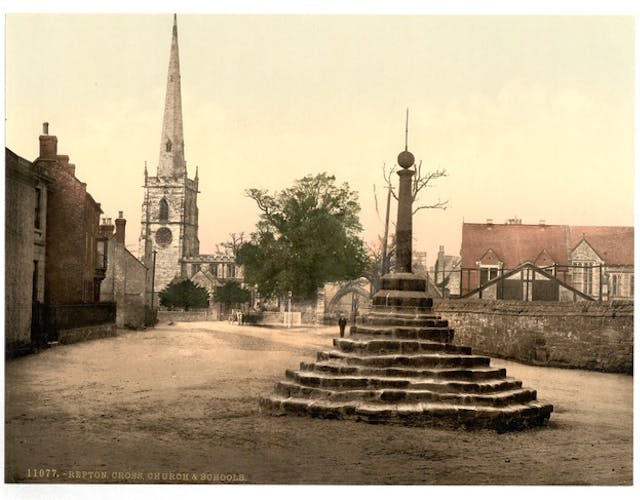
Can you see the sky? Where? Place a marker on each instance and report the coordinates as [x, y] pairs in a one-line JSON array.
[[531, 116]]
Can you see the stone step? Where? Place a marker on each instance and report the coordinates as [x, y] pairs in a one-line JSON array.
[[399, 314], [400, 346], [498, 399], [329, 380], [438, 334], [473, 373], [509, 418], [388, 320], [408, 360], [414, 300], [425, 323]]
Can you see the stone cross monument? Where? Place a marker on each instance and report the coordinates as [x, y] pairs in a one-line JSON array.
[[400, 364], [402, 288]]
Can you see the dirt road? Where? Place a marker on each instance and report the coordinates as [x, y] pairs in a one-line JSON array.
[[179, 404]]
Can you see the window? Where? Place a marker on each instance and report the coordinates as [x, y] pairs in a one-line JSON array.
[[168, 146], [38, 205], [582, 273], [164, 210], [34, 291], [614, 285], [588, 278], [102, 254], [487, 273]]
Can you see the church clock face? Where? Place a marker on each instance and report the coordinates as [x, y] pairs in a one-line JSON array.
[[163, 236]]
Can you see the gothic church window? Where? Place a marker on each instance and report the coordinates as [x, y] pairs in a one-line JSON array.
[[164, 210]]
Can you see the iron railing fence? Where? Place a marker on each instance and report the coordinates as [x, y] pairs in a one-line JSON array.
[[600, 282]]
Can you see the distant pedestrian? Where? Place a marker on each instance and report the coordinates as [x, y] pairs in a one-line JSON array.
[[342, 323]]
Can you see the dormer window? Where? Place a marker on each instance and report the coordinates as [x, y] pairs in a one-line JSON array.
[[168, 146]]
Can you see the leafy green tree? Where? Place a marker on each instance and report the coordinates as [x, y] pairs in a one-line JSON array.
[[306, 235], [184, 294], [232, 293]]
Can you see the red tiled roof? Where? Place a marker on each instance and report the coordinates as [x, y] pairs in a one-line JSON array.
[[514, 244], [614, 244]]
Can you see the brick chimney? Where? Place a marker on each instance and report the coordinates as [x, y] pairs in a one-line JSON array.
[[63, 161], [106, 228], [120, 224], [48, 144]]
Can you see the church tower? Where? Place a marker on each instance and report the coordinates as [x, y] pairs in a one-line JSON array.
[[169, 225]]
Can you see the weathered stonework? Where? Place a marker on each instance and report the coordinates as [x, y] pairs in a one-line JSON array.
[[125, 280], [400, 364], [587, 335], [169, 225], [85, 333], [182, 222], [25, 234], [402, 367]]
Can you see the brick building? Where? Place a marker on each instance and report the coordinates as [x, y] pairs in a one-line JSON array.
[[25, 237], [72, 274], [125, 277], [594, 260], [52, 287]]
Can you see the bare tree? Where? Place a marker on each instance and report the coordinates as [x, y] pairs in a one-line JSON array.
[[421, 181], [231, 247], [381, 260]]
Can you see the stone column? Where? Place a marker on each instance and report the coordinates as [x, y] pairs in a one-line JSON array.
[[404, 231]]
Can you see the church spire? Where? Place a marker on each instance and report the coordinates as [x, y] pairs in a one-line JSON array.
[[172, 162]]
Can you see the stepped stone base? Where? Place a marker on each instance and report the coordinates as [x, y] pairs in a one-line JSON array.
[[400, 366]]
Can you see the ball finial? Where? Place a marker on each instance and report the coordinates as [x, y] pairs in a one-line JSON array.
[[406, 159]]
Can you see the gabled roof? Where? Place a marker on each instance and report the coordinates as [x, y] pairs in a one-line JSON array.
[[543, 259], [514, 243], [518, 243], [490, 258], [205, 278], [614, 244]]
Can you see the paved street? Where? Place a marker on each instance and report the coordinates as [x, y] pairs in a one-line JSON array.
[[163, 404]]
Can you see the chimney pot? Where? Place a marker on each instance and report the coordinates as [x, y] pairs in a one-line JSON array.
[[120, 225], [48, 144]]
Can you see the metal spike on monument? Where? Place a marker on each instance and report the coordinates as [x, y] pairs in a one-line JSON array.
[[400, 364]]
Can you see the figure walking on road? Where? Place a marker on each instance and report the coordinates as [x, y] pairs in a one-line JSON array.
[[342, 323]]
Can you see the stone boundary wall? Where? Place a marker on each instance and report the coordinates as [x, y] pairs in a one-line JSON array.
[[73, 335], [587, 335], [187, 316]]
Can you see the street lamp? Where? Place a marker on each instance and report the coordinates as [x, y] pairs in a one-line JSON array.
[[153, 278]]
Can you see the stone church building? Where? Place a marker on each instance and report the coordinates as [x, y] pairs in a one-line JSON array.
[[169, 223]]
